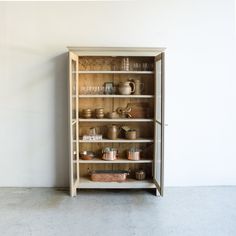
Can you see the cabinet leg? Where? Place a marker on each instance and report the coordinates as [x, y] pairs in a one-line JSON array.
[[156, 192], [73, 192]]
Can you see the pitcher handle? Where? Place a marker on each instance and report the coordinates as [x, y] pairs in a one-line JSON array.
[[133, 85]]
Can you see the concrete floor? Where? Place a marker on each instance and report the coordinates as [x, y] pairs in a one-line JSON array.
[[199, 211]]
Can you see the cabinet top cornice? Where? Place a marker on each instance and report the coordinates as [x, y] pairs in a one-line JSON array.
[[116, 51]]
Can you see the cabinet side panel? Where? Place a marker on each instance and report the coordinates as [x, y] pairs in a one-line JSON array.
[[163, 119]]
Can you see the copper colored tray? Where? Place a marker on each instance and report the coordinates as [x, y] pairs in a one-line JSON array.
[[109, 175]]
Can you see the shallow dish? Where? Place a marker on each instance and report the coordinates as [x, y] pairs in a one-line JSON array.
[[87, 155]]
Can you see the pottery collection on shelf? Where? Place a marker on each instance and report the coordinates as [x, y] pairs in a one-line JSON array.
[[127, 88]]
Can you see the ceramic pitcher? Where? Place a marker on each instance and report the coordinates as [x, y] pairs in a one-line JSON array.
[[139, 87], [126, 88]]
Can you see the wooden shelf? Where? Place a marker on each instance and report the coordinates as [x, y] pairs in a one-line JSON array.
[[114, 120], [100, 161], [116, 141], [112, 96], [129, 183], [111, 72]]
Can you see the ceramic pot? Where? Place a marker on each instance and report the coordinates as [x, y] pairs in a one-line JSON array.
[[109, 154], [113, 115], [134, 154], [131, 134]]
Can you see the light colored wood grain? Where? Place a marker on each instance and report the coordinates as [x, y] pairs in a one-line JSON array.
[[129, 184]]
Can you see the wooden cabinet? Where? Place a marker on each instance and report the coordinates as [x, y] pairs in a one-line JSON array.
[[96, 76]]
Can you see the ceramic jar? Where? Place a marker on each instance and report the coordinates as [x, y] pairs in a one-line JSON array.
[[126, 88], [112, 132]]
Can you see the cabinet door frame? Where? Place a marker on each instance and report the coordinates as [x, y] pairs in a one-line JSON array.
[[160, 186], [73, 58]]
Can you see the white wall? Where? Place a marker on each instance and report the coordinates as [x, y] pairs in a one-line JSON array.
[[200, 83]]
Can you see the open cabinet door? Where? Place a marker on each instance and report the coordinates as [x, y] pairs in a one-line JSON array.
[[73, 118], [159, 123]]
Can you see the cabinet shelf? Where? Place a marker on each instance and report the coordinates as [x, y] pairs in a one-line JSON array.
[[114, 120], [116, 141], [111, 72], [112, 96], [129, 183], [100, 161]]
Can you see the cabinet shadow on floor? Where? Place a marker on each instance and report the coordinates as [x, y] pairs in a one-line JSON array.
[[61, 145]]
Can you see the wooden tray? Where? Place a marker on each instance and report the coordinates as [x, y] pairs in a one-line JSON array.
[[109, 175]]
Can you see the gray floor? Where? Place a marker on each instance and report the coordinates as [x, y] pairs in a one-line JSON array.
[[197, 211]]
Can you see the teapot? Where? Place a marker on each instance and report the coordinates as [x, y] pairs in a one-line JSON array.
[[126, 88]]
